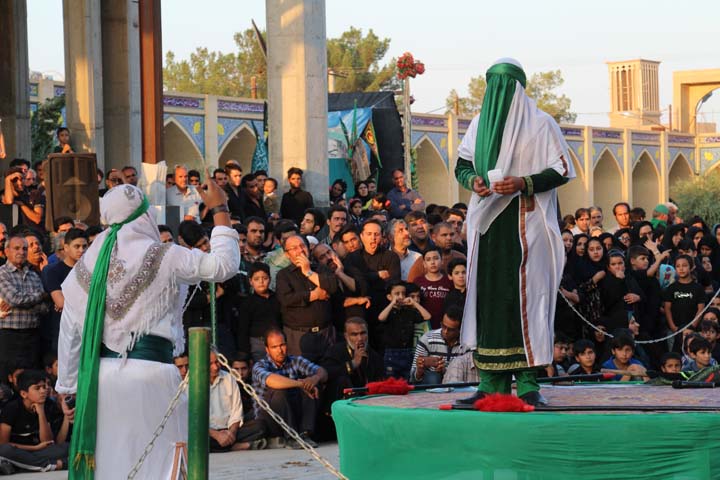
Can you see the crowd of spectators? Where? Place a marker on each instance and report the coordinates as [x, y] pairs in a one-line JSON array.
[[327, 299]]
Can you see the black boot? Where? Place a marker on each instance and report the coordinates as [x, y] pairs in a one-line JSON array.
[[471, 400], [535, 399]]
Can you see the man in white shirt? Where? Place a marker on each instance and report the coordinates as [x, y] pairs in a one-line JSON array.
[[228, 432], [184, 196], [399, 237]]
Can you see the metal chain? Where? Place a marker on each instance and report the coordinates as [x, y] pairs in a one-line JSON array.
[[642, 342], [171, 408], [264, 405]]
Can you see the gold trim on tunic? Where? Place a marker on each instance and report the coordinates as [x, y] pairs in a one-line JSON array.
[[501, 366], [501, 352]]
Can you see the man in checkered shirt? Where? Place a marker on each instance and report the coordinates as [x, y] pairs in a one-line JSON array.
[[22, 290], [289, 384]]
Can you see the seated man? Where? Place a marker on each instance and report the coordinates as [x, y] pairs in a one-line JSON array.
[[33, 429], [289, 384], [228, 431], [352, 363], [437, 348]]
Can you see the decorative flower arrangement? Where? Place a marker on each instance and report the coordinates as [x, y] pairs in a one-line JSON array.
[[408, 67]]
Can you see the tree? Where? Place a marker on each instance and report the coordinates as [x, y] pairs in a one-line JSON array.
[[356, 57], [698, 196], [217, 73], [43, 126], [540, 86]]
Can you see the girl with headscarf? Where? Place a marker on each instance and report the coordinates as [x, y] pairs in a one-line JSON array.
[[623, 238], [589, 271], [673, 235], [620, 294]]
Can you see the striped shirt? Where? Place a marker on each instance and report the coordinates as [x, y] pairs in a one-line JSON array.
[[432, 343], [295, 367], [22, 289]]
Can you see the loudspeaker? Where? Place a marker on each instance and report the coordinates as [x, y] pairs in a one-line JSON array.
[[71, 188]]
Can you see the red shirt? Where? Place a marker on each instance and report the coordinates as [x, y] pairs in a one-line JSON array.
[[433, 296]]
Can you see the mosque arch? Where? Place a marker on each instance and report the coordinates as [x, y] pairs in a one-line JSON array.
[[680, 169], [573, 194], [179, 148], [432, 173], [240, 146], [607, 182], [645, 183]]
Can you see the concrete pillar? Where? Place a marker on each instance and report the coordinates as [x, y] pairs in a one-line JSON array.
[[14, 79], [588, 165], [84, 76], [453, 142], [297, 91], [627, 194], [121, 84], [664, 167], [212, 153]]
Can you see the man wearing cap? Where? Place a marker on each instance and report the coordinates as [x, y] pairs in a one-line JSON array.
[[515, 251], [660, 216], [121, 326]]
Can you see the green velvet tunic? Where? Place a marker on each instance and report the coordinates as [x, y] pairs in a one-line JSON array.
[[499, 254]]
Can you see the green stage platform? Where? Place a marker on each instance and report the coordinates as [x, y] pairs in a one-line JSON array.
[[398, 437]]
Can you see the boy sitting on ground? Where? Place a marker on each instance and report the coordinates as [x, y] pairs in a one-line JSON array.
[[585, 357], [33, 430], [671, 362], [700, 353], [623, 348]]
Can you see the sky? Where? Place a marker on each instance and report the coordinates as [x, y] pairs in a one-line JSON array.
[[459, 39]]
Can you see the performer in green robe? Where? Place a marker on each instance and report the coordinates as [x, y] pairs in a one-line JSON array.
[[515, 250]]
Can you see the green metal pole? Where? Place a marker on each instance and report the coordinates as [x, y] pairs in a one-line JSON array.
[[199, 404], [213, 314]]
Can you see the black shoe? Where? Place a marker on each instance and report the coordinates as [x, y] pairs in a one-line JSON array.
[[535, 399], [471, 400], [6, 468]]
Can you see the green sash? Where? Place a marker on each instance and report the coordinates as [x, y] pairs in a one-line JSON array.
[[82, 447], [148, 347], [501, 81]]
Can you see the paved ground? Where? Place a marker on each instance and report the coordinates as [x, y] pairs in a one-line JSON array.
[[277, 464]]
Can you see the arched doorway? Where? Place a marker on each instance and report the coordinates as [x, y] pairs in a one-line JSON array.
[[645, 184], [432, 174], [240, 147], [573, 194], [680, 170], [607, 183], [179, 149]]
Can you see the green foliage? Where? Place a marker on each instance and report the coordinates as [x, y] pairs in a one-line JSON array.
[[353, 55], [43, 125], [698, 196], [357, 58], [540, 86], [217, 73]]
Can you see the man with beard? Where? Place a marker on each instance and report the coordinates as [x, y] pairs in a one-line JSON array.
[[312, 222], [337, 219], [296, 201], [419, 231], [442, 236], [233, 188], [255, 239], [251, 198], [399, 238]]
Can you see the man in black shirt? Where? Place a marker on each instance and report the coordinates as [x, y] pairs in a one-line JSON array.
[[296, 201], [379, 267], [304, 296], [251, 198], [234, 176]]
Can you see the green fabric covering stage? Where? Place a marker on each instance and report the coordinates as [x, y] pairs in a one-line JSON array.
[[384, 437]]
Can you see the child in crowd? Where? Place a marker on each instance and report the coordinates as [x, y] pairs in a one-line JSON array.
[[356, 212], [457, 273], [271, 200], [413, 291], [560, 350], [434, 285], [63, 138], [33, 430], [399, 319], [671, 362], [710, 329], [256, 314], [700, 353], [584, 358], [623, 348], [683, 299]]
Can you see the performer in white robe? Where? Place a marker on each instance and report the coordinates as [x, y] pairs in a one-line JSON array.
[[142, 329]]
